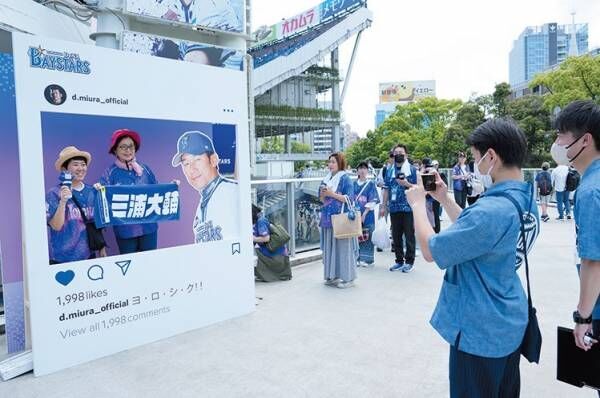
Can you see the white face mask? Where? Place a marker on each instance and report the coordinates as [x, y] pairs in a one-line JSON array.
[[559, 153], [478, 173]]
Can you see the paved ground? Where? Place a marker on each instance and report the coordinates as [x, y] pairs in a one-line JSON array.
[[308, 340]]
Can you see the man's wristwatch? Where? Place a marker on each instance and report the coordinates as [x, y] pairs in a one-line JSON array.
[[577, 318]]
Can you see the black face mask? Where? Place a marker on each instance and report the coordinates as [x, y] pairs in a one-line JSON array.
[[399, 159]]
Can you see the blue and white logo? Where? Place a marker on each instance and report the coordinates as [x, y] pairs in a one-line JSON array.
[[60, 61]]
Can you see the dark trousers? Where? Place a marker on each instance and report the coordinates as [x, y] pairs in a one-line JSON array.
[[472, 376], [596, 329], [436, 207], [138, 244], [460, 197], [403, 225]]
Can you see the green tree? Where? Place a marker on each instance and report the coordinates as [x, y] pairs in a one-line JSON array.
[[300, 147], [500, 99], [469, 116], [575, 79], [420, 126], [272, 145], [535, 120]]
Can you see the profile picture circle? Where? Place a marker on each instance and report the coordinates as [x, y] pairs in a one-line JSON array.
[[55, 94]]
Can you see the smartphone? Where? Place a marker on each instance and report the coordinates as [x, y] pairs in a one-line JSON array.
[[429, 182]]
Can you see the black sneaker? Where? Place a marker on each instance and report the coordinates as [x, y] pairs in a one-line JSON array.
[[568, 216]]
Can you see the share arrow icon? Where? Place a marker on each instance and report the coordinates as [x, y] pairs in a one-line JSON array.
[[124, 265]]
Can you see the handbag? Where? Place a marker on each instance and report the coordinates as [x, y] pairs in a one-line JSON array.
[[345, 226], [278, 237], [531, 346], [94, 235]]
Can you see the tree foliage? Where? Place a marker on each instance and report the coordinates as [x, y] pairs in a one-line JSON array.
[[272, 145], [575, 79], [500, 99], [535, 121]]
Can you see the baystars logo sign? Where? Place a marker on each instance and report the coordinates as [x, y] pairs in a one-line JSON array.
[[59, 61]]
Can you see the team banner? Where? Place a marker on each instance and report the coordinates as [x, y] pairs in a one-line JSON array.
[[225, 15], [306, 20], [168, 150], [136, 204]]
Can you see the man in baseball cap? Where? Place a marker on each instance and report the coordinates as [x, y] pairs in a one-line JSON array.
[[216, 215]]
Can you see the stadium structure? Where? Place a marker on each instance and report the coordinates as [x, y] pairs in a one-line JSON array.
[[298, 88]]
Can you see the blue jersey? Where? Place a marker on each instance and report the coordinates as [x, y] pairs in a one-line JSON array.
[[332, 206], [70, 243], [397, 202], [366, 192], [261, 229], [117, 176]]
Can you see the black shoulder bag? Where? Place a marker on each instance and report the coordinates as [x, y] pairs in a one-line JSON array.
[[94, 235], [531, 346]]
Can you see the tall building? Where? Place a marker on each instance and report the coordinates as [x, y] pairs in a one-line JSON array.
[[540, 47], [400, 93]]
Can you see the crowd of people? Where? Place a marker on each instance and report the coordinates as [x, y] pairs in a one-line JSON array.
[[484, 312]]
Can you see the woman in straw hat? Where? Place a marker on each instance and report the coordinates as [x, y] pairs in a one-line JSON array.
[[126, 170], [68, 235]]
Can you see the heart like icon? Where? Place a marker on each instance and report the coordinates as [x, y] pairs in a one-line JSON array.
[[65, 277]]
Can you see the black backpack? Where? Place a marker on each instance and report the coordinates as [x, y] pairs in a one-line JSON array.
[[572, 180], [545, 183]]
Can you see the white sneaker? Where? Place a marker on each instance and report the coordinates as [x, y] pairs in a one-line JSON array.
[[345, 285], [331, 282]]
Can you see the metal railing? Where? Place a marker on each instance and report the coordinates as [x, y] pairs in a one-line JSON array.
[[294, 204]]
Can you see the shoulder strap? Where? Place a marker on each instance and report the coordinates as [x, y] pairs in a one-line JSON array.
[[523, 235], [83, 217], [363, 188]]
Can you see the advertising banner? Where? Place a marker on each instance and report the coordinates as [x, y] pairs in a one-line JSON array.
[[11, 256], [305, 20], [225, 15], [198, 53], [329, 8], [406, 91], [136, 204], [115, 122]]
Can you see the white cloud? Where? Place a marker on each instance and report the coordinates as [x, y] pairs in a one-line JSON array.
[[462, 44]]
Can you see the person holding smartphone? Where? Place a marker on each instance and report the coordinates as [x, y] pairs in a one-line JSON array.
[[482, 310]]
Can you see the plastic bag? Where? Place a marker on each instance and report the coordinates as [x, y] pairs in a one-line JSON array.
[[381, 235]]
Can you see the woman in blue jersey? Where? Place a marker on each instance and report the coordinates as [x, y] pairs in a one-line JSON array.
[[126, 170], [68, 240], [366, 198], [339, 255]]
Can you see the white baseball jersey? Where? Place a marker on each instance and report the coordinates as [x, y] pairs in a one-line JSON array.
[[217, 216]]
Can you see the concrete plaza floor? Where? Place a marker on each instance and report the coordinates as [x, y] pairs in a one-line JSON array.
[[309, 340]]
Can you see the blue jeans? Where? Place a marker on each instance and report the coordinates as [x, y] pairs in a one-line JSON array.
[[138, 244], [563, 204]]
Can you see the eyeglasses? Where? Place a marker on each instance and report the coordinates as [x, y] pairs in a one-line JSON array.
[[130, 147]]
